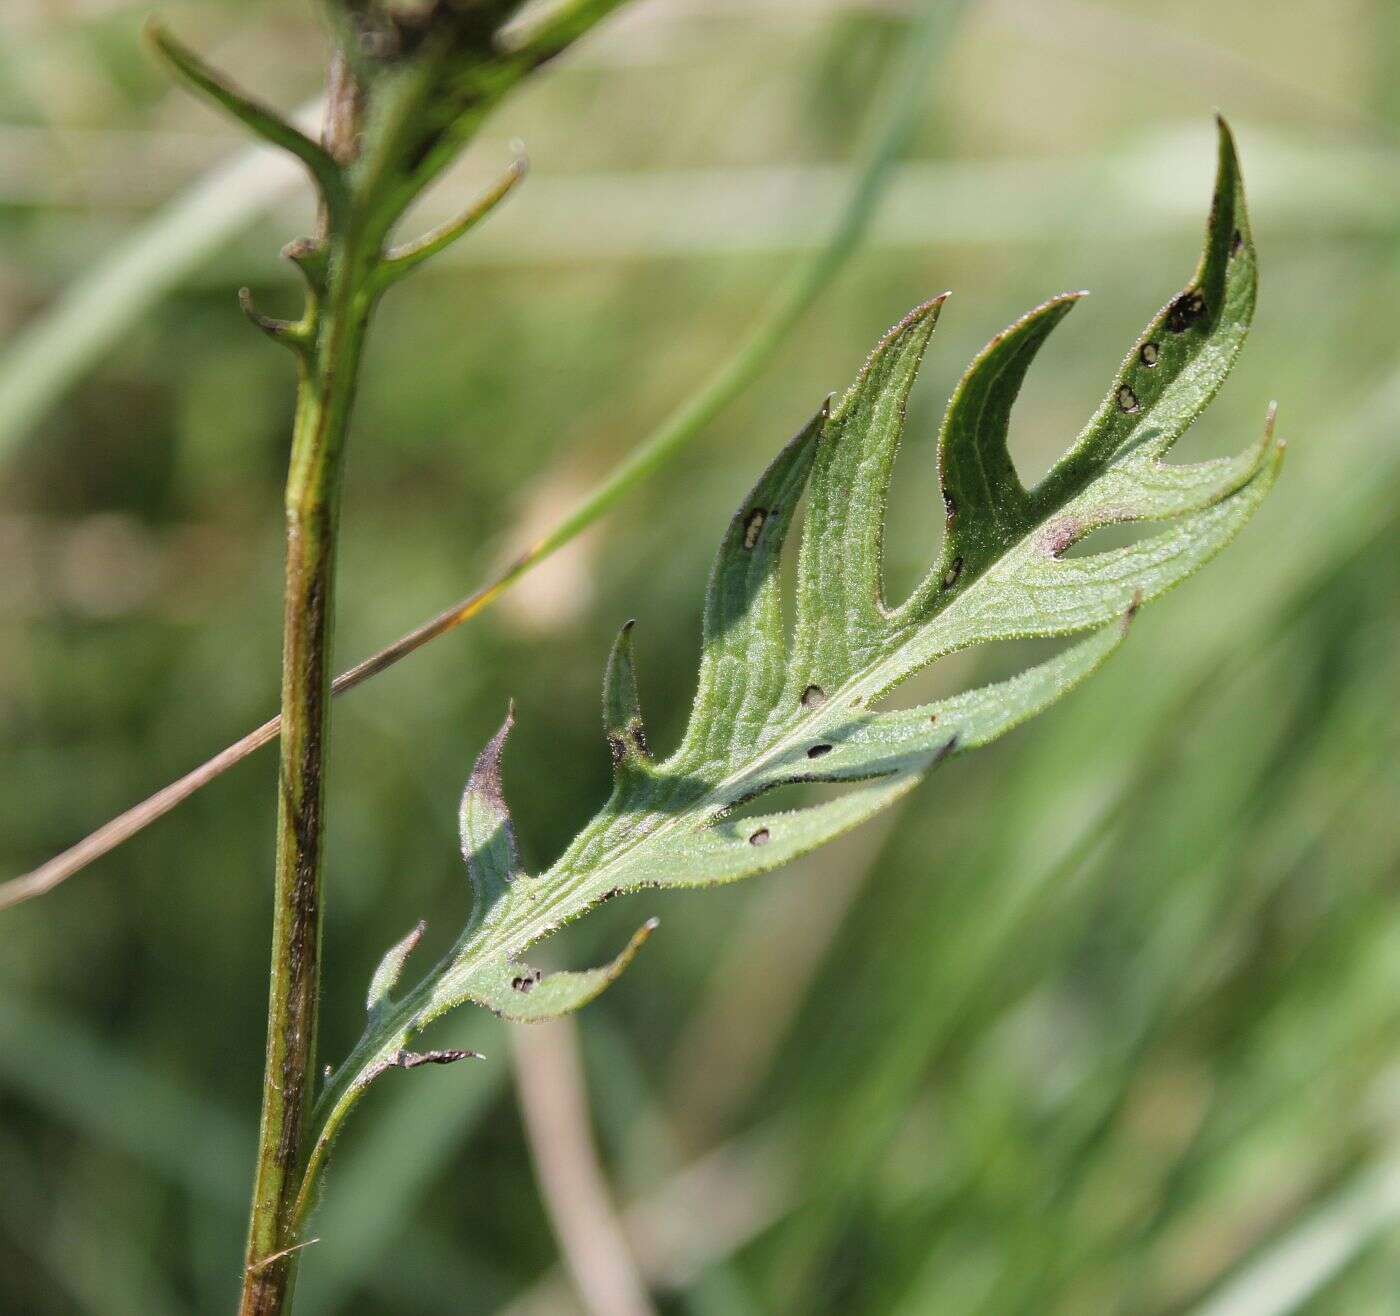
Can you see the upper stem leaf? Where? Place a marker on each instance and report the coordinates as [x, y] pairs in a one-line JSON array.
[[773, 709]]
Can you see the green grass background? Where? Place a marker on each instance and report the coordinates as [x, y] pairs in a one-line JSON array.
[[1107, 1019]]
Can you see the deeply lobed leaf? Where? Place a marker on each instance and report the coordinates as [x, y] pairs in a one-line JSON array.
[[772, 709]]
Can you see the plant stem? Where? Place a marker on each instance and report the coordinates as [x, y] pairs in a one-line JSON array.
[[898, 112], [337, 317], [313, 496]]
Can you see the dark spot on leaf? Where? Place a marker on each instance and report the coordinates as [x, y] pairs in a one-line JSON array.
[[525, 984], [933, 719], [1185, 311], [950, 505], [818, 751], [760, 837], [416, 1059], [1149, 353], [947, 748], [754, 526], [1128, 400], [1236, 242], [622, 743], [813, 697], [1061, 536], [950, 577], [611, 894]]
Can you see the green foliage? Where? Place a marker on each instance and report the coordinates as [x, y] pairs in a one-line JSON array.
[[1103, 1018], [407, 90], [772, 711]]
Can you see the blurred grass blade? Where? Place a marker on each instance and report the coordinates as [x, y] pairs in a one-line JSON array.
[[49, 1059], [552, 1094], [72, 335], [68, 337]]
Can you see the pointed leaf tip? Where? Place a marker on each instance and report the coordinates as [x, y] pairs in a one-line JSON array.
[[986, 505], [623, 724], [287, 332], [930, 308], [840, 597], [896, 355], [1227, 154], [485, 779], [519, 993], [390, 969], [488, 835], [399, 260]]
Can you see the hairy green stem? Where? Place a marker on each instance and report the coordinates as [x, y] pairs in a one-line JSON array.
[[327, 386], [334, 328]]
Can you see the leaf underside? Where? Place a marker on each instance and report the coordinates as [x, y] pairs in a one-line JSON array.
[[773, 708]]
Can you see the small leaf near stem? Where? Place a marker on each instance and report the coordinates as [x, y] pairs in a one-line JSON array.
[[387, 975], [264, 121], [399, 261], [295, 334]]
